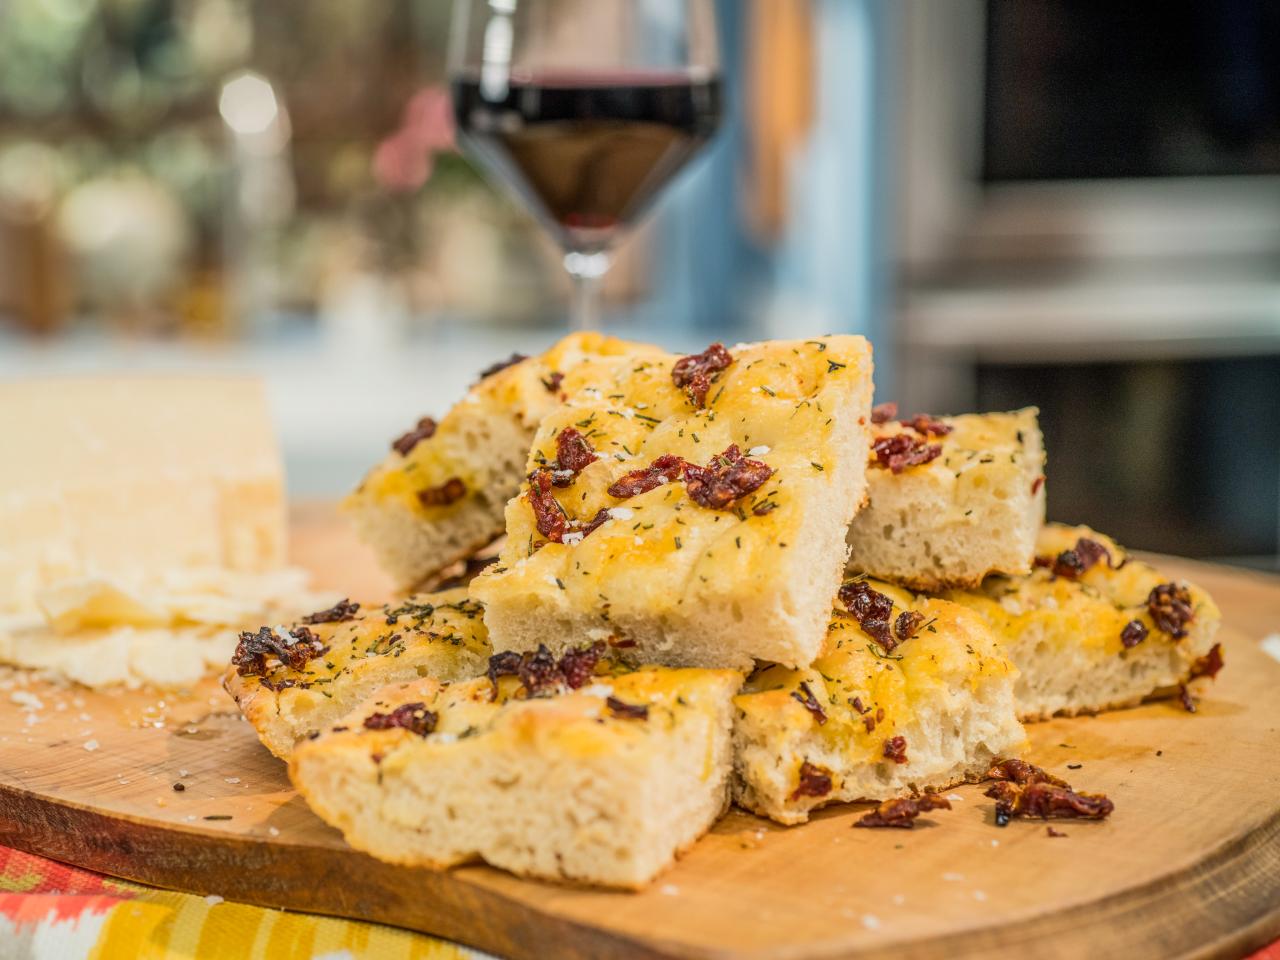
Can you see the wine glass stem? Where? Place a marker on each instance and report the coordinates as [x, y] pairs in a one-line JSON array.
[[587, 270]]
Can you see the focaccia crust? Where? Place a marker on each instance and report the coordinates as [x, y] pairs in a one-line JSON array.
[[662, 576], [441, 635]]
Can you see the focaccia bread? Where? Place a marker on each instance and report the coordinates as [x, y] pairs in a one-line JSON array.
[[571, 770], [953, 499], [1091, 628], [291, 682], [910, 694], [438, 496], [693, 511]]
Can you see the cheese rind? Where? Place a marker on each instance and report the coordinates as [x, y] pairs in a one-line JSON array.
[[482, 442], [1064, 634], [974, 510], [664, 578], [576, 786], [948, 692]]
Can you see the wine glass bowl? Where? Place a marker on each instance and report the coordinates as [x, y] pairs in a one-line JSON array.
[[585, 110]]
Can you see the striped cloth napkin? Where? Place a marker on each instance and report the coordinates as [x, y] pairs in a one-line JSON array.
[[51, 911]]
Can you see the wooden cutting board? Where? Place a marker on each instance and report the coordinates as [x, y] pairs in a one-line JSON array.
[[1189, 864]]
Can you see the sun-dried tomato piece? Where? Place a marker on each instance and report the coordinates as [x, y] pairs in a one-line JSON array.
[[884, 412], [695, 374], [1046, 801], [573, 452], [294, 650], [1036, 484], [895, 749], [414, 717], [903, 811], [1134, 632], [1074, 563], [725, 479], [804, 696], [1022, 772], [903, 450], [579, 666], [501, 365], [908, 622], [340, 612], [1209, 664], [539, 672], [872, 609], [666, 469], [815, 781], [547, 512], [626, 711], [929, 426], [425, 430], [451, 491], [1170, 607], [505, 664], [553, 381], [856, 703]]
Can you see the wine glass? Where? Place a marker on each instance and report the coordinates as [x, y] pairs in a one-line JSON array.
[[585, 110]]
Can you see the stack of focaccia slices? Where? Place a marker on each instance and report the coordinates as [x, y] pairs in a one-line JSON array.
[[725, 578]]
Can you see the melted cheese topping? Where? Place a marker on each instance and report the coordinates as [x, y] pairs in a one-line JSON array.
[[950, 649], [526, 391], [661, 549], [1089, 612], [576, 722]]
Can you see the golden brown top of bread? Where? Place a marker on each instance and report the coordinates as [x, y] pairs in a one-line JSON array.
[[661, 547], [528, 388], [323, 650], [1090, 608], [858, 692], [614, 711]]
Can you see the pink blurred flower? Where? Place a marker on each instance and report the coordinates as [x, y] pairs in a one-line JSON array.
[[404, 160]]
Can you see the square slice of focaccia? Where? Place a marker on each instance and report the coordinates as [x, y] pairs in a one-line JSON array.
[[575, 770], [953, 499], [290, 682], [1091, 628], [910, 694], [692, 511], [438, 496]]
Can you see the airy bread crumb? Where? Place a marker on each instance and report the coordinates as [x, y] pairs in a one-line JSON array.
[[573, 787], [972, 511]]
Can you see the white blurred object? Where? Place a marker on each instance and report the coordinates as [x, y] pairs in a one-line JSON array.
[[264, 191], [130, 236], [364, 314]]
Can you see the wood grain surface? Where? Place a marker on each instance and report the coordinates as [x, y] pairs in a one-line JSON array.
[[1189, 864]]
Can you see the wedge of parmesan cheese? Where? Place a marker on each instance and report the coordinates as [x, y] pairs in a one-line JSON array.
[[142, 525], [126, 477]]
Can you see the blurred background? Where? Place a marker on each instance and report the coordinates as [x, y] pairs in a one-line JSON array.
[[1066, 203]]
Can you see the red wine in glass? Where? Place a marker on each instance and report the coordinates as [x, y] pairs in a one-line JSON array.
[[587, 152]]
